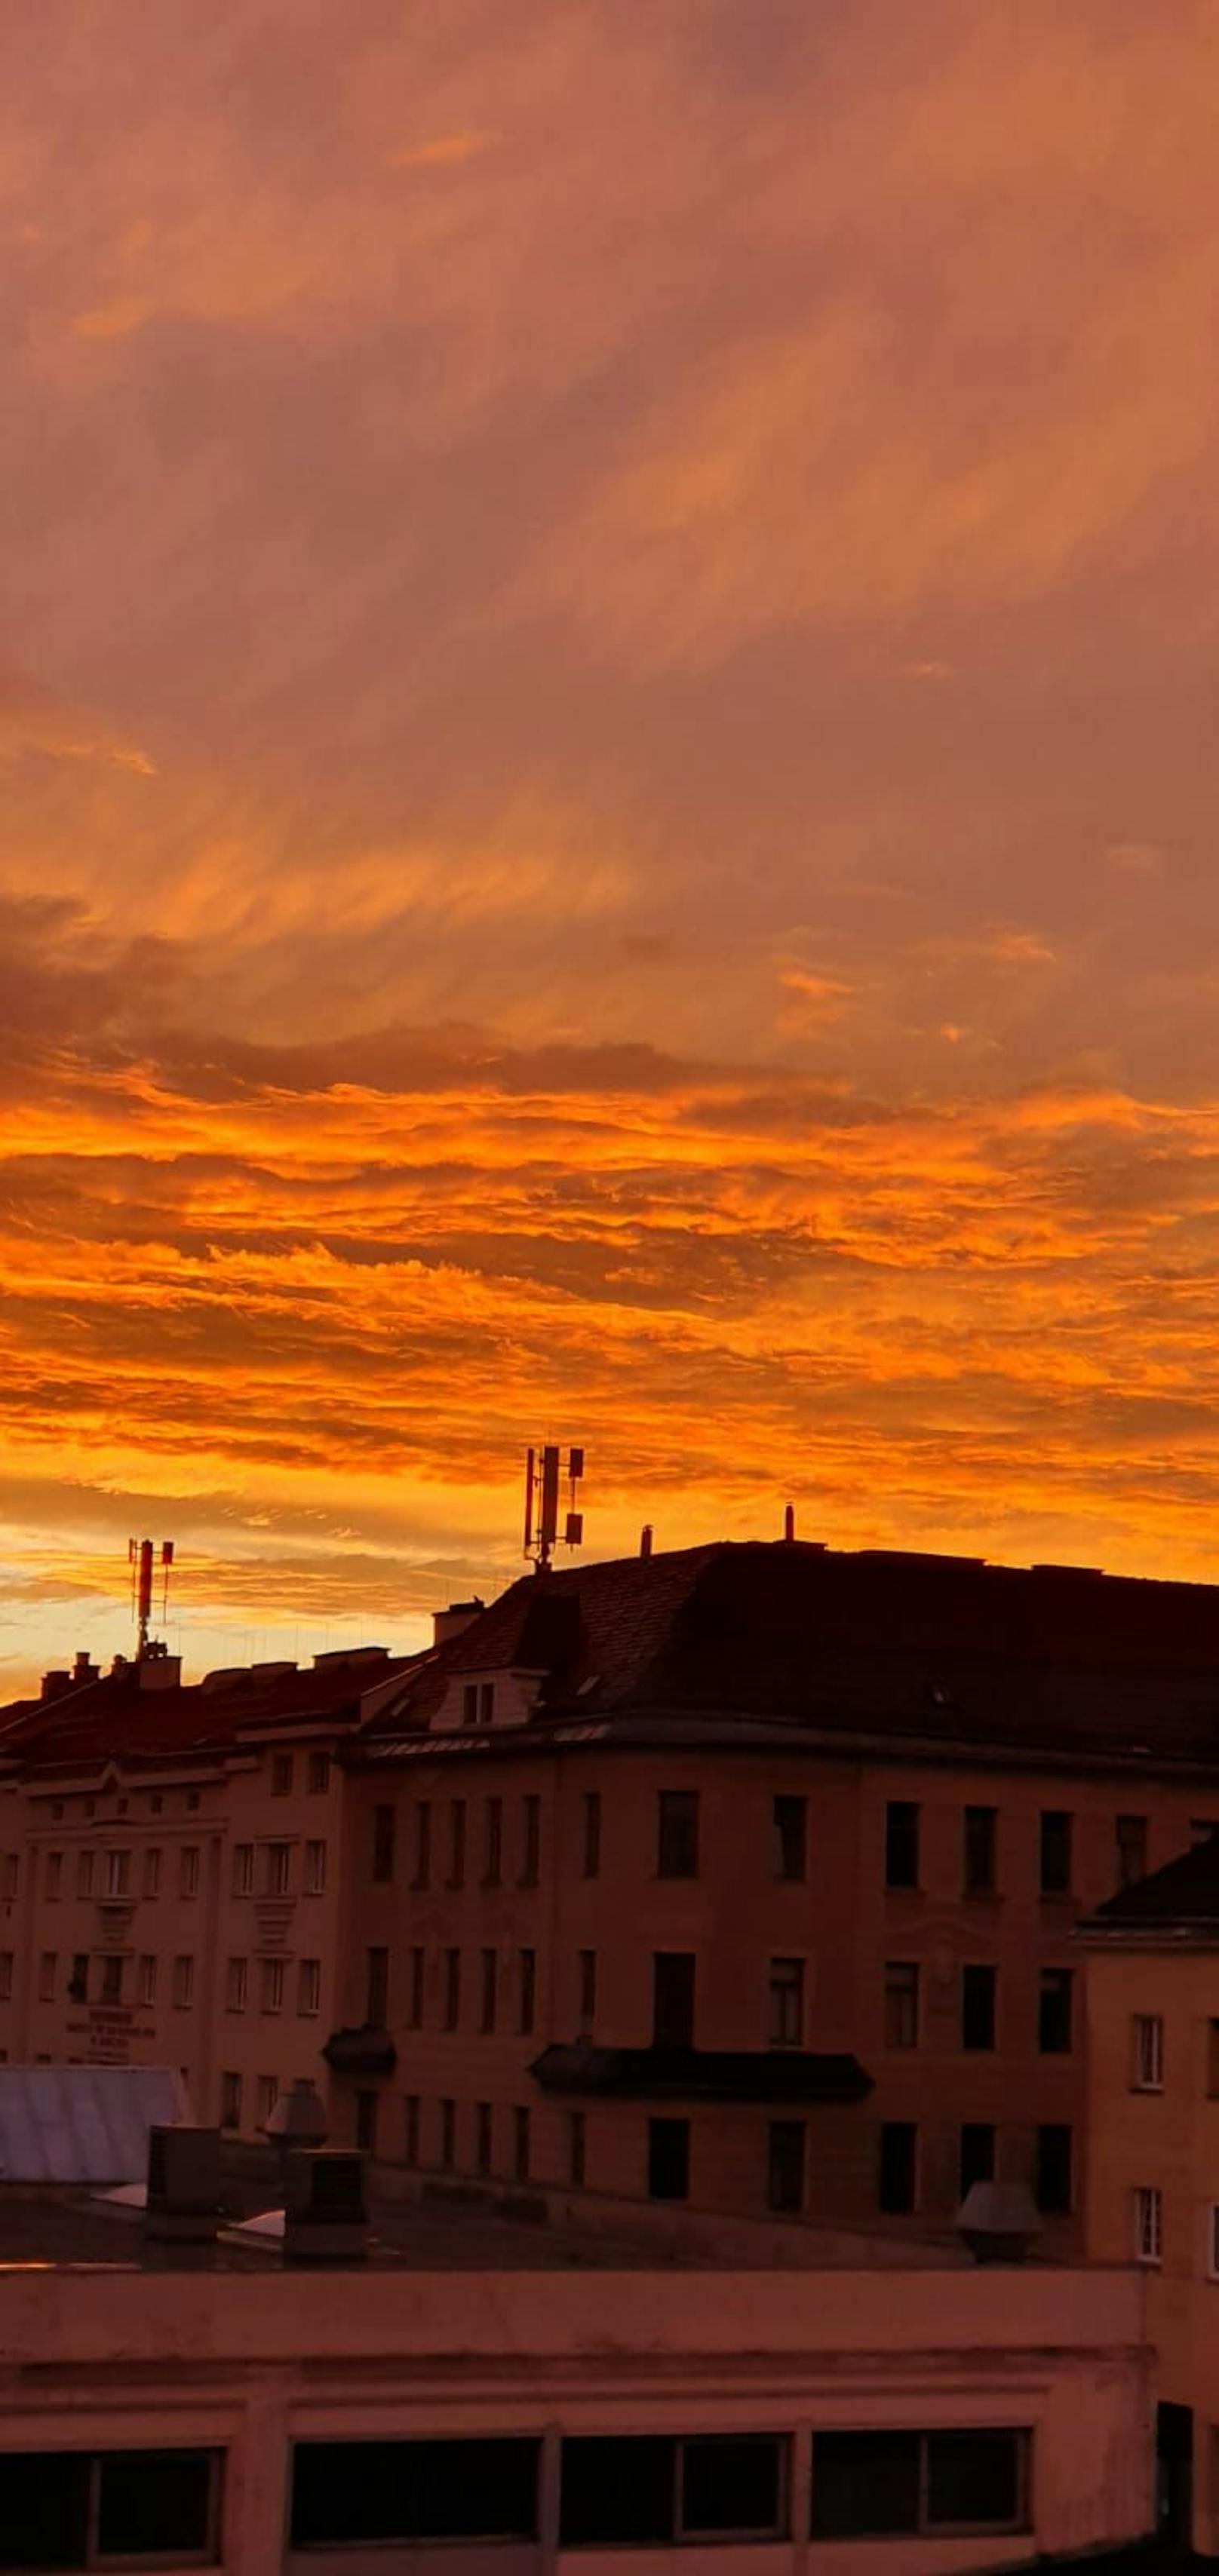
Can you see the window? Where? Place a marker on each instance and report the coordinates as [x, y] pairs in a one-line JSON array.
[[1055, 1852], [448, 2135], [1052, 2171], [789, 1829], [281, 1775], [978, 1855], [520, 2143], [81, 2509], [410, 2128], [1054, 2012], [482, 2137], [469, 1704], [422, 1872], [184, 1983], [268, 2096], [309, 1986], [147, 1979], [415, 2008], [243, 1869], [577, 2136], [84, 1873], [901, 2003], [650, 2490], [12, 1875], [319, 1774], [272, 1986], [493, 1841], [592, 1833], [315, 1869], [785, 2027], [192, 1801], [668, 2159], [673, 1999], [382, 1843], [366, 2122], [880, 2485], [785, 2165], [230, 2101], [531, 1832], [1130, 1835], [1147, 2052], [457, 1842], [112, 1980], [896, 2182], [461, 2488], [188, 1870], [236, 1985], [156, 1803], [976, 2155], [152, 1871], [118, 1872], [488, 1978], [586, 1991], [1148, 2224], [376, 1989], [901, 1843], [279, 1863], [677, 1833], [48, 1966], [977, 2007], [452, 1989], [486, 1703], [6, 1976], [54, 1876], [78, 1982], [526, 1962]]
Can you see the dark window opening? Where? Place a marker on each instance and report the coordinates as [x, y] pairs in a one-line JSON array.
[[668, 2159], [789, 1837], [452, 1989], [880, 2485], [785, 2027], [457, 1842], [1052, 2174], [785, 2165], [528, 1991], [463, 2489], [896, 2179], [646, 2490], [901, 2003], [1054, 2012], [977, 2155], [488, 1982], [383, 1842], [732, 2483], [493, 1841], [673, 1999], [77, 2509], [677, 1833], [587, 2001], [1055, 1852], [977, 2007], [366, 2122], [981, 1839], [901, 1843], [1131, 1838], [531, 1819]]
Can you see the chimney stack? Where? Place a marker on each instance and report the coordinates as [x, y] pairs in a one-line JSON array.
[[449, 1623], [789, 1523], [645, 1539]]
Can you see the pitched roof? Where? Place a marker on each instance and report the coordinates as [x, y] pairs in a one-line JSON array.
[[117, 1717], [1183, 1896]]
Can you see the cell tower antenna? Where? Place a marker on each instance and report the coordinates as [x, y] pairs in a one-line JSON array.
[[543, 1476], [140, 1556]]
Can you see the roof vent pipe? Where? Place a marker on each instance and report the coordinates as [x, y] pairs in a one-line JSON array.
[[789, 1523], [645, 1539]]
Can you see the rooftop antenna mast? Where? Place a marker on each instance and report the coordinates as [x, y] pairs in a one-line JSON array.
[[542, 1479], [140, 1555]]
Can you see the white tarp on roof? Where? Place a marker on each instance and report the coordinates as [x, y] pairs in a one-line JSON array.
[[83, 2123]]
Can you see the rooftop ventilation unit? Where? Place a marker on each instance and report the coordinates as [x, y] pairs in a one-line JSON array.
[[325, 2211], [183, 2204], [998, 2221]]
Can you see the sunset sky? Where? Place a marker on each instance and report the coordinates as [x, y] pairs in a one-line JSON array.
[[608, 766]]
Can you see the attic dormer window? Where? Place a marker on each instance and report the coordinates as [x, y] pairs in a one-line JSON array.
[[478, 1704]]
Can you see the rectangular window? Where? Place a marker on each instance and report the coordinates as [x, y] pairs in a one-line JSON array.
[[188, 1870], [410, 2128], [281, 1775], [901, 1843], [84, 1873], [452, 1989], [152, 1871], [977, 2007], [980, 1843], [1130, 1835], [457, 1842], [630, 2491], [54, 1876], [279, 1864], [6, 1976], [785, 2159], [488, 1980], [309, 1986], [976, 2155], [421, 1875], [884, 2485], [591, 1804], [1052, 2177], [184, 1983], [47, 1969], [896, 2185], [118, 1873], [673, 1999], [493, 1841], [271, 1995], [112, 1981], [577, 2134], [315, 1869], [469, 1704], [448, 2135], [147, 1979], [586, 1991], [80, 2509], [901, 2003], [788, 1837], [12, 1876], [482, 2137], [415, 2009], [243, 1869], [1147, 2052], [78, 1982], [319, 1774], [486, 1703], [668, 2159], [230, 2101], [267, 2095], [785, 2020], [366, 2122], [531, 1843], [732, 2485], [1054, 2012], [526, 1963], [348, 2495], [376, 1989], [1055, 1852], [236, 1985], [677, 1833], [520, 2143], [382, 1843], [1148, 2224]]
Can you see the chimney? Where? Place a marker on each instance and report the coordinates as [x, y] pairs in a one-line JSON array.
[[789, 1523], [54, 1686], [84, 1670], [159, 1672], [645, 1539], [449, 1623]]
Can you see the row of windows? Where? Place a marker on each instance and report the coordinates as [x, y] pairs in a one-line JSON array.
[[491, 1981], [267, 2090], [103, 1978], [109, 1873], [283, 1774], [980, 1848], [1147, 2055], [1147, 2224], [977, 2007], [272, 1985], [898, 2187], [79, 2509], [491, 1855]]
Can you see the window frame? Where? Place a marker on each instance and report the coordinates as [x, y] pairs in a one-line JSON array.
[[980, 1968], [94, 2458], [986, 1881], [785, 2001], [797, 1805], [910, 1811], [1055, 1996], [1146, 2047], [1148, 2215], [678, 1819], [924, 2527]]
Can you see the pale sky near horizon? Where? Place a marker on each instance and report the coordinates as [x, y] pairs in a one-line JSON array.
[[607, 748]]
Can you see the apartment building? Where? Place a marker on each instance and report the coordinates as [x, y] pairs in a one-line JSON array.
[[740, 1879]]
